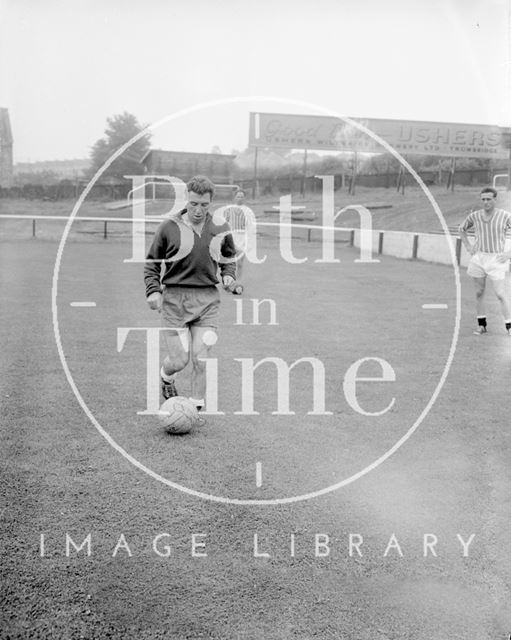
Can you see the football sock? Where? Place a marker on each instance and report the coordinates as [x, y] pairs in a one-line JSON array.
[[165, 376], [481, 321]]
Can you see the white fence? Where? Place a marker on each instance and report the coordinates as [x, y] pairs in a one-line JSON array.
[[428, 247]]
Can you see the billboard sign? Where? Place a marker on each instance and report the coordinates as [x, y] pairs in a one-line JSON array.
[[405, 136]]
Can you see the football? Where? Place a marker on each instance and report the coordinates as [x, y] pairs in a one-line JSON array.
[[178, 415]]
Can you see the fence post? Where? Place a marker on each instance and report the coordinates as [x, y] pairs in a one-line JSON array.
[[33, 227], [380, 243], [415, 246], [104, 231]]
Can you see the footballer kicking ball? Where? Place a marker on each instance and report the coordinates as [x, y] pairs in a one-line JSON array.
[[178, 415]]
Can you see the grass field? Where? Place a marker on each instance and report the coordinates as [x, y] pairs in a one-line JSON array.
[[60, 475]]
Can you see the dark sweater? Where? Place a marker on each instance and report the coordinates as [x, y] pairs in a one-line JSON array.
[[198, 267]]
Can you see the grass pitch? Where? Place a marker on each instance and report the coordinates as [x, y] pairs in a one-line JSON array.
[[62, 478]]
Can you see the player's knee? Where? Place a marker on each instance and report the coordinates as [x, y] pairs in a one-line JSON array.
[[178, 360], [182, 362], [480, 292]]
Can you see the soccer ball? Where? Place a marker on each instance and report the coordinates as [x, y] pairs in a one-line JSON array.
[[178, 415]]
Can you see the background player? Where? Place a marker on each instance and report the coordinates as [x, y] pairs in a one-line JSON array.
[[488, 256], [192, 243], [241, 220]]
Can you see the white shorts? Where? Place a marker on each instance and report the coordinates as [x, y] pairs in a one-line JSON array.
[[243, 243], [240, 241], [486, 264]]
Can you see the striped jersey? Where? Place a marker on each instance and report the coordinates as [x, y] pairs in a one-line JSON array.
[[242, 221], [239, 217], [490, 234]]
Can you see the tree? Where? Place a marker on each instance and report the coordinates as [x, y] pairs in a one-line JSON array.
[[120, 130]]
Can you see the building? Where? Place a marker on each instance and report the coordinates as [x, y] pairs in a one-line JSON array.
[[6, 165], [218, 167], [61, 169]]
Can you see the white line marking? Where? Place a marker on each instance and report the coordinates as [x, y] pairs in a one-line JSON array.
[[435, 306], [82, 304], [259, 474]]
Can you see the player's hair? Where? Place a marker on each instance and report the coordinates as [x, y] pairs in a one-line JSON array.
[[240, 191], [201, 185], [489, 190]]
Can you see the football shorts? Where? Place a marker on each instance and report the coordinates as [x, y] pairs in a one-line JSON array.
[[482, 265], [185, 306]]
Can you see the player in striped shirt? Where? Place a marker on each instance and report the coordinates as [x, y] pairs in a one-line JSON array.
[[241, 219], [489, 258]]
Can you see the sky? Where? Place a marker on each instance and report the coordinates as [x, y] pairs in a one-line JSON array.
[[65, 66]]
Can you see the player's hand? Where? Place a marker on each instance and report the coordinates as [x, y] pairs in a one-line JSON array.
[[472, 250], [154, 301], [227, 281]]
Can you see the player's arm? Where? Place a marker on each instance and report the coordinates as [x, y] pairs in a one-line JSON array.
[[506, 255], [152, 270], [228, 267], [467, 224]]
